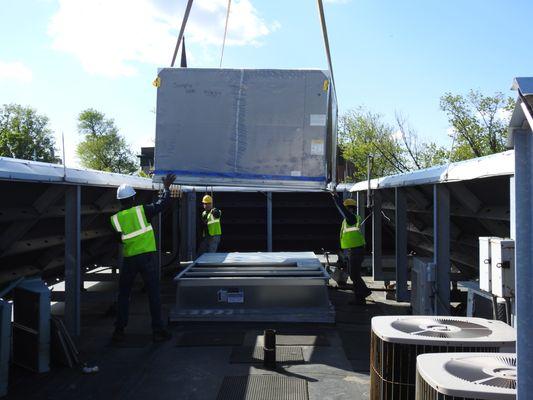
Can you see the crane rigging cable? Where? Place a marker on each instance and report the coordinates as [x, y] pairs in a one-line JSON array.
[[225, 33], [182, 30], [326, 42], [322, 24]]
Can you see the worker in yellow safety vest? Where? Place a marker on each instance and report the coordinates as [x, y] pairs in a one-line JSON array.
[[134, 230], [212, 229], [352, 244]]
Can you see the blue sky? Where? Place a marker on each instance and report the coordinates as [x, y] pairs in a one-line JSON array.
[[392, 56]]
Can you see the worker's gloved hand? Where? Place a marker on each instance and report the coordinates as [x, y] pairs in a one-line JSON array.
[[169, 180]]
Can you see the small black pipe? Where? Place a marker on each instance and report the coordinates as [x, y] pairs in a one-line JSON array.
[[270, 338], [269, 349]]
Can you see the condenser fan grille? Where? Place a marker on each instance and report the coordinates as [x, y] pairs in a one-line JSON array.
[[446, 328], [495, 371]]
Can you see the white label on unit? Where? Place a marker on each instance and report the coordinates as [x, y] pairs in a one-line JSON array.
[[317, 120], [296, 173], [317, 147], [237, 297]]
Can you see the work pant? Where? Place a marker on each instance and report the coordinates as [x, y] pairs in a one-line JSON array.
[[355, 257], [144, 264], [209, 244]]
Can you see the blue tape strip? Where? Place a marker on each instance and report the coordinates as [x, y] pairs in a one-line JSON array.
[[234, 175]]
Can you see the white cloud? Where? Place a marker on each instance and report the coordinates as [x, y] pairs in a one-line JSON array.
[[503, 115], [451, 132], [142, 142], [110, 37], [397, 135], [71, 143], [15, 71]]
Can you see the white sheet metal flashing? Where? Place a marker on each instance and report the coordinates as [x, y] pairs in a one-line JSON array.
[[13, 169], [500, 164]]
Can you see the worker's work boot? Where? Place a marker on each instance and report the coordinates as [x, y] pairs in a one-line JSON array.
[[360, 300], [118, 335], [161, 335]]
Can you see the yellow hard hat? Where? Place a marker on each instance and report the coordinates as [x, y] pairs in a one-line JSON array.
[[349, 203], [207, 199]]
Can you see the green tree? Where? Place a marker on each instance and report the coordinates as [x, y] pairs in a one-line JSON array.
[[103, 148], [432, 155], [363, 133], [25, 134], [419, 154], [94, 123], [395, 149], [479, 123]]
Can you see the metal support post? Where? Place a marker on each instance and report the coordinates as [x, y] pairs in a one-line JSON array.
[[361, 209], [376, 235], [401, 245], [523, 196], [512, 208], [269, 221], [191, 225], [72, 259], [512, 230], [441, 246], [184, 227], [175, 228]]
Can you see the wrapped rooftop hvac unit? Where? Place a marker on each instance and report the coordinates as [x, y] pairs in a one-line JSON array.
[[460, 376], [255, 128], [396, 341]]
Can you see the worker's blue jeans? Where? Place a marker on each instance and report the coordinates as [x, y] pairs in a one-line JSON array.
[[209, 244], [144, 264], [355, 257]]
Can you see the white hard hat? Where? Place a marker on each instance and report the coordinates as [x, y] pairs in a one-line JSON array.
[[124, 191]]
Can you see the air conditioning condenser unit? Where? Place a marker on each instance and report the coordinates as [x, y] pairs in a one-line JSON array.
[[466, 376], [396, 341]]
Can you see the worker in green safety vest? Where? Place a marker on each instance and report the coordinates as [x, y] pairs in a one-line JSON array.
[[352, 244], [132, 224], [212, 229]]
